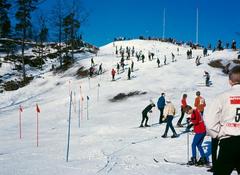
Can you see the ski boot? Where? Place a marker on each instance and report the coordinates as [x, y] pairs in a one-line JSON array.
[[179, 125], [164, 136], [202, 161], [175, 135], [193, 161], [146, 125]]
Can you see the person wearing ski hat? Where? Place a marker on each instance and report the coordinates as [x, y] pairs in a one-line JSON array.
[[200, 132], [168, 115], [222, 120], [144, 114]]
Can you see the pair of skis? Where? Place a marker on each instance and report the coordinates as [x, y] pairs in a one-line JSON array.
[[179, 163]]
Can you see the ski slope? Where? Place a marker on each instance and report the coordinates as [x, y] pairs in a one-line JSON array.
[[109, 140]]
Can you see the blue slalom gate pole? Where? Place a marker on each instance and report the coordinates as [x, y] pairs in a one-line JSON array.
[[69, 126]]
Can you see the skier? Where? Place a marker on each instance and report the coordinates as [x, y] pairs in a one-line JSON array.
[[133, 51], [165, 60], [132, 65], [207, 75], [129, 73], [113, 74], [118, 68], [197, 61], [199, 102], [144, 114], [234, 45], [143, 57], [222, 122], [116, 51], [161, 104], [183, 106], [178, 51], [169, 112], [158, 62], [100, 69], [173, 57], [92, 62], [200, 133], [205, 52]]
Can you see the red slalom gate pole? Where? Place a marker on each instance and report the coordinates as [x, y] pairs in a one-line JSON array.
[[20, 125], [37, 129], [38, 111]]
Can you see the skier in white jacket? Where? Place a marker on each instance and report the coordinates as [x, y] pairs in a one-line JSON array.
[[222, 121]]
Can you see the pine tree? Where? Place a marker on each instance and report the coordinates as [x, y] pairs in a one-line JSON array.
[[57, 22], [43, 35], [23, 16], [5, 23], [71, 26]]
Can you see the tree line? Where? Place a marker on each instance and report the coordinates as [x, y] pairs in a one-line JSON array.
[[63, 23]]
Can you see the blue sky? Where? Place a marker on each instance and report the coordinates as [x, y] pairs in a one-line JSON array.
[[218, 19]]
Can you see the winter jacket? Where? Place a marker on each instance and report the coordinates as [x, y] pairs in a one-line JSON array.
[[197, 121], [161, 102], [222, 118], [147, 109], [169, 109], [184, 103], [200, 103], [113, 72]]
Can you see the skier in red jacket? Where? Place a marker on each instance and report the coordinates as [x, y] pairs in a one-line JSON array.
[[113, 74], [200, 132], [183, 106]]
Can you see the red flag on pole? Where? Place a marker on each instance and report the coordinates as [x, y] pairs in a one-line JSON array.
[[20, 108], [37, 108]]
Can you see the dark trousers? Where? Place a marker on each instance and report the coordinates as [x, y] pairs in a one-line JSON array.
[[161, 115], [228, 157], [144, 117], [182, 115], [214, 151], [169, 125]]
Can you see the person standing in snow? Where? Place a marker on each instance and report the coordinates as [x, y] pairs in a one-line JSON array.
[[173, 57], [222, 120], [118, 68], [100, 69], [183, 106], [207, 75], [132, 65], [234, 47], [165, 60], [143, 57], [113, 72], [92, 62], [199, 103], [129, 73], [161, 104], [158, 62], [145, 116], [169, 112], [200, 132]]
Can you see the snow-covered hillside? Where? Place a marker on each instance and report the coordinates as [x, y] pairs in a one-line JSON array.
[[109, 140]]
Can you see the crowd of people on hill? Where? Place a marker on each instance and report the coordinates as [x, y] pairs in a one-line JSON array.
[[221, 121]]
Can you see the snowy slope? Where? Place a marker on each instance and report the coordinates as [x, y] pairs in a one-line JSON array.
[[109, 142]]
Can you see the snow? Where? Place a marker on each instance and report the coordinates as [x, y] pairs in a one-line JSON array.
[[109, 142]]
